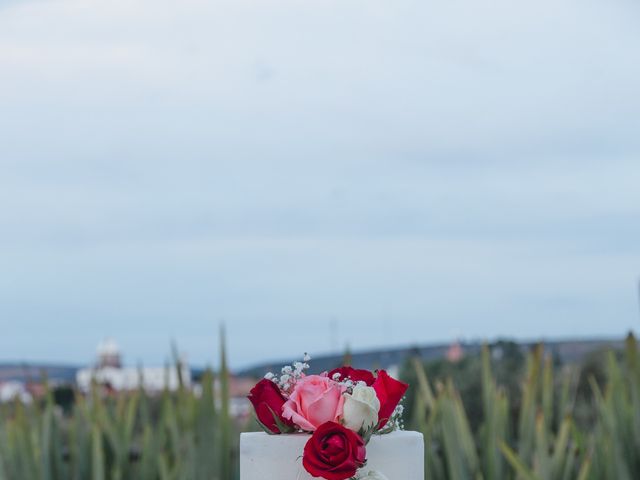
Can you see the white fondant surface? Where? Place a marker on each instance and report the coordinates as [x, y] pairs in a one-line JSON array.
[[398, 455]]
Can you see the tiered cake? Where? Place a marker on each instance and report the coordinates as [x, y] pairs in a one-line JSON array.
[[398, 455]]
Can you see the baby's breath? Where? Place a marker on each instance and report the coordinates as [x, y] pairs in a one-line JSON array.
[[289, 374]]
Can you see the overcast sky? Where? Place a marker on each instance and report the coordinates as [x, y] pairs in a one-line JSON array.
[[407, 171]]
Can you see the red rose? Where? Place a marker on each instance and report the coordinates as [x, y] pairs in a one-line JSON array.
[[389, 391], [267, 400], [334, 452], [356, 375]]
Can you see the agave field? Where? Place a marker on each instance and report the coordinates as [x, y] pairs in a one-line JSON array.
[[540, 435], [542, 441], [180, 435]]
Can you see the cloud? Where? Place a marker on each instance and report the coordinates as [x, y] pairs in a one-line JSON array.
[[168, 164]]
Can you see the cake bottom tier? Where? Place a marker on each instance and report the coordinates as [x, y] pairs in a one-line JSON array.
[[398, 455]]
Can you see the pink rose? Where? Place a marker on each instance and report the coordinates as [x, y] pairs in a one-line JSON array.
[[316, 399]]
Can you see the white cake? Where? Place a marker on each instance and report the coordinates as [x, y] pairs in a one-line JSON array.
[[398, 455]]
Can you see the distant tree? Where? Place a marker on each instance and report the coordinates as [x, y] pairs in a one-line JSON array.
[[64, 397]]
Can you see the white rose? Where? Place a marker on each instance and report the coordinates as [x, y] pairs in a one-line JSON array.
[[361, 408]]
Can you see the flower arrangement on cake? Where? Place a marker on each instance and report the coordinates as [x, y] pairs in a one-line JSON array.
[[341, 409]]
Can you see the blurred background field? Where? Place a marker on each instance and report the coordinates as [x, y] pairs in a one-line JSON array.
[[502, 411]]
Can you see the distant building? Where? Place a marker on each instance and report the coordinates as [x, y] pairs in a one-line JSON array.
[[109, 373], [13, 390], [109, 354], [239, 388], [455, 352]]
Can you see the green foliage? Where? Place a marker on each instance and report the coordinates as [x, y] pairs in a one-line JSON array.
[[542, 441], [132, 436], [507, 368], [500, 415]]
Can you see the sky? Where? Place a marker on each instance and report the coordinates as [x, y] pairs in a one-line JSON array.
[[315, 174]]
